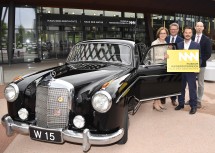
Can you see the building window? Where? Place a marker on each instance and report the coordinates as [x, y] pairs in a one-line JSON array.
[[129, 15], [72, 11], [113, 13], [51, 10], [25, 17], [140, 15], [25, 47], [93, 12]]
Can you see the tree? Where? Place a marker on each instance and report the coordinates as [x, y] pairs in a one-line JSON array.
[[20, 36], [3, 35]]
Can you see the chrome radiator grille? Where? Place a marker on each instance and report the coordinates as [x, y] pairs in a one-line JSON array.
[[53, 104]]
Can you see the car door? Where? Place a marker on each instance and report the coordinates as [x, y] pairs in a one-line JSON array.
[[153, 80]]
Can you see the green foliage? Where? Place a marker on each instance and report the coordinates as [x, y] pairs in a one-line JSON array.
[[4, 29], [22, 35], [3, 35]]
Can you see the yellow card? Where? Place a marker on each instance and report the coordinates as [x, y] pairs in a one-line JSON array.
[[183, 61]]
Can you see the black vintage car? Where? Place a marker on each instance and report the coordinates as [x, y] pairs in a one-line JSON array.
[[87, 99]]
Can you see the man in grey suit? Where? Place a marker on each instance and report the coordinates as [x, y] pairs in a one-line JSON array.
[[173, 38], [206, 48]]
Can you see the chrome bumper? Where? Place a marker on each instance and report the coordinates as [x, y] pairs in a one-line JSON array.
[[86, 138]]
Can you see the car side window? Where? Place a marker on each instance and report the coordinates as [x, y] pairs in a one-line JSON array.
[[140, 50], [157, 54]]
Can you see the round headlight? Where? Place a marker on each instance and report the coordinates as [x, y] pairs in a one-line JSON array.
[[23, 113], [101, 101], [11, 92], [79, 121]]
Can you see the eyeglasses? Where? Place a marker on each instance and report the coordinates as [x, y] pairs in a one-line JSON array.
[[173, 29], [162, 33]]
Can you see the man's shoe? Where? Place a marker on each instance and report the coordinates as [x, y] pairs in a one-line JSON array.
[[179, 107], [193, 110], [187, 103], [199, 105], [174, 103]]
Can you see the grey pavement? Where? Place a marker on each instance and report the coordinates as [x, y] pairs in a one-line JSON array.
[[149, 131]]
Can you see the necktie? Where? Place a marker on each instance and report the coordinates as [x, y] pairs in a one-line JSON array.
[[197, 39], [173, 40]]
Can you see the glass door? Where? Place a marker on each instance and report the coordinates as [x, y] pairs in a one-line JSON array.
[[57, 44]]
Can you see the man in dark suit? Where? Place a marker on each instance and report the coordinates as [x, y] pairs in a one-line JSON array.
[[173, 38], [206, 48], [188, 77]]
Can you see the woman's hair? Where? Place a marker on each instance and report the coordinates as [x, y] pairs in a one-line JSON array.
[[159, 30]]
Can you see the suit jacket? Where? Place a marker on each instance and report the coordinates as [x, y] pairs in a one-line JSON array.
[[193, 45], [178, 39], [206, 48]]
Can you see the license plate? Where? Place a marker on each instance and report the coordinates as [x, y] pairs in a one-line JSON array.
[[50, 135]]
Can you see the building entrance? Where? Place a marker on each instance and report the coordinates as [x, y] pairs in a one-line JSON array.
[[58, 44]]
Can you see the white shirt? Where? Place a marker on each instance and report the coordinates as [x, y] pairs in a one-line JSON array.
[[196, 37], [187, 45]]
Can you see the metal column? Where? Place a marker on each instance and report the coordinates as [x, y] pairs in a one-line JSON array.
[[11, 30], [149, 29]]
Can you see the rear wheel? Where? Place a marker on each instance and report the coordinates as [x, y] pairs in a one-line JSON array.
[[125, 127]]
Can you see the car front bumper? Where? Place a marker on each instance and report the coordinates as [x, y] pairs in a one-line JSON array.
[[86, 138]]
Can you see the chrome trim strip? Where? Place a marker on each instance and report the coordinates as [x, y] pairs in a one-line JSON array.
[[86, 138], [142, 100]]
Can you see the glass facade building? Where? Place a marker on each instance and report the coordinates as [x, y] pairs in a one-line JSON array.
[[46, 33]]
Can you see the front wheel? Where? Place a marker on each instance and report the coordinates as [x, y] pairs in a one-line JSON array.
[[125, 136]]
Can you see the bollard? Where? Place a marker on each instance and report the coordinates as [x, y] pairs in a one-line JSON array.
[[1, 76]]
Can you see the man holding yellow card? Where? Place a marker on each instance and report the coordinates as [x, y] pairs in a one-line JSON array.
[[188, 77]]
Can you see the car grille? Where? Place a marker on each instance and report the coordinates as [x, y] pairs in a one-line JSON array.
[[53, 105]]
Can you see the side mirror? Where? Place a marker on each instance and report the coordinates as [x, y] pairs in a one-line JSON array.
[[148, 62]]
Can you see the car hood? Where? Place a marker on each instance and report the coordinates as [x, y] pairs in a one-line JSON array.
[[84, 78]]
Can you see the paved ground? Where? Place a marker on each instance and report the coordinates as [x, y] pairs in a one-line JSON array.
[[149, 131]]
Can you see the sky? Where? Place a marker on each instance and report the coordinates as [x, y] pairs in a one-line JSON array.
[[24, 17]]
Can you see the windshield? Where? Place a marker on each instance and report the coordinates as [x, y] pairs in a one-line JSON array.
[[100, 51]]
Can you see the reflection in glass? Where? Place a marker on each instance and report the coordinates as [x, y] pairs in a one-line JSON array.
[[56, 44], [72, 11], [51, 10], [25, 47], [93, 12], [140, 15], [112, 13], [129, 15]]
